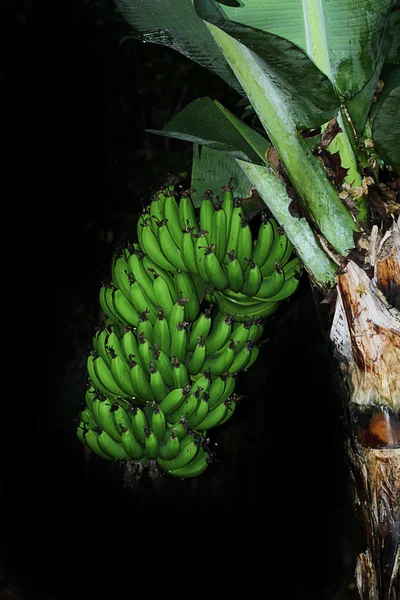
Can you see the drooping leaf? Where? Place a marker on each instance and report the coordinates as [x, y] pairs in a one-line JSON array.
[[386, 130], [309, 94], [174, 23], [212, 170], [207, 122]]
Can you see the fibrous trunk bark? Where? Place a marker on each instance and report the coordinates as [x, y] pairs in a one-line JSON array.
[[366, 337]]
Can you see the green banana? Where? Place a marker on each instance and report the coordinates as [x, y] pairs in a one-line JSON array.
[[91, 395], [198, 357], [227, 205], [280, 247], [162, 293], [145, 326], [129, 345], [105, 377], [218, 233], [156, 420], [142, 276], [171, 213], [94, 380], [272, 284], [141, 222], [196, 467], [170, 449], [120, 272], [121, 374], [156, 209], [264, 240], [215, 271], [154, 270], [111, 447], [140, 381], [161, 333], [235, 227], [152, 248], [112, 344], [221, 363], [253, 280], [185, 456], [187, 215], [214, 417], [90, 438], [288, 288], [99, 343], [139, 423], [169, 246], [106, 420], [139, 302], [121, 417], [173, 400], [207, 211], [242, 358], [189, 254], [87, 418], [186, 288], [187, 408], [241, 311], [201, 411], [219, 334], [177, 315], [244, 243], [180, 374], [180, 428], [163, 364], [200, 328], [151, 444], [146, 353], [124, 308], [106, 303], [157, 383], [131, 446], [234, 272], [179, 342], [200, 249]]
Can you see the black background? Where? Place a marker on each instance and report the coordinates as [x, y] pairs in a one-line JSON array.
[[275, 511]]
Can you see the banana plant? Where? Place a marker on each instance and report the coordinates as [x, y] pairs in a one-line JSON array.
[[322, 80]]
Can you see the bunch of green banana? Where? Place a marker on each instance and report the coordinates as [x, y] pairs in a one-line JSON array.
[[185, 311]]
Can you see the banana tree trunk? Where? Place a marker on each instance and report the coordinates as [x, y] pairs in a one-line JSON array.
[[366, 337]]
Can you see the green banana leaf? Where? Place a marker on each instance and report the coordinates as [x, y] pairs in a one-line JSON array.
[[207, 122], [174, 23], [212, 170], [344, 37], [393, 54], [386, 130], [309, 95]]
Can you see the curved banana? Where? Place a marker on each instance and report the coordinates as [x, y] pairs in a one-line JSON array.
[[198, 357], [139, 423], [169, 246], [189, 254], [219, 334], [171, 213], [199, 244], [120, 272], [221, 363], [161, 333], [105, 377], [214, 417], [196, 467], [152, 248], [179, 342], [106, 303], [187, 215], [170, 448], [111, 447], [201, 411], [100, 338], [200, 327], [216, 273], [264, 240], [180, 374], [146, 353], [253, 280], [280, 248], [244, 243], [129, 345], [235, 227], [158, 386], [90, 438], [124, 307], [242, 358], [142, 276], [218, 234], [163, 364], [121, 374], [227, 205], [130, 444], [185, 456], [186, 288], [207, 211], [140, 302], [140, 382], [173, 400], [145, 326], [235, 272], [241, 311], [151, 444]]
